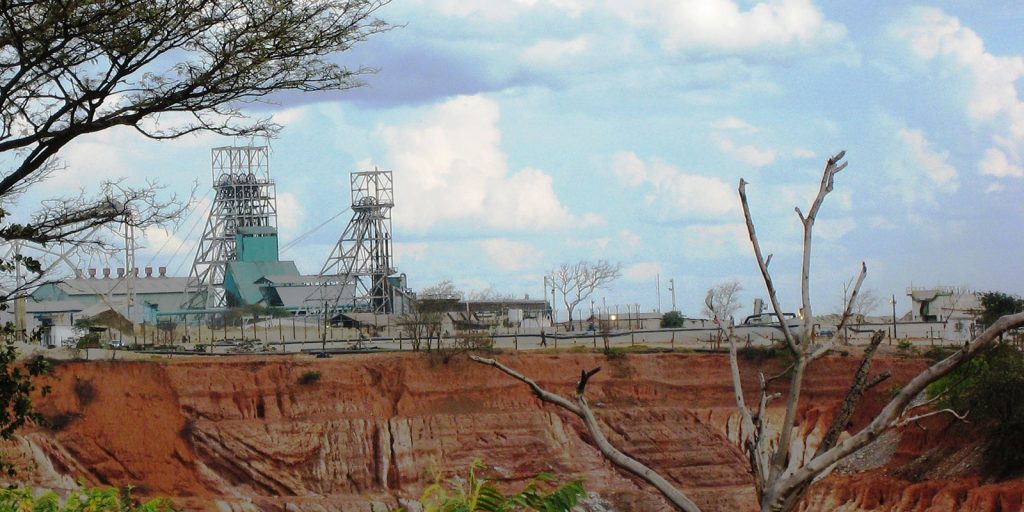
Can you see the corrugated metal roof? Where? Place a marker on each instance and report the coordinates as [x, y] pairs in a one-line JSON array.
[[54, 306], [295, 296], [245, 274], [83, 286]]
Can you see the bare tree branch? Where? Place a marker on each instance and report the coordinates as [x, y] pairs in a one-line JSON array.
[[582, 409], [578, 281]]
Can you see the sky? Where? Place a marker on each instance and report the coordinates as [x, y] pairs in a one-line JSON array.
[[527, 133]]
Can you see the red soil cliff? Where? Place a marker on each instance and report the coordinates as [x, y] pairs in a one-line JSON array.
[[245, 434]]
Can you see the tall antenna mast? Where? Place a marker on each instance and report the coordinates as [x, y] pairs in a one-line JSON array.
[[245, 196]]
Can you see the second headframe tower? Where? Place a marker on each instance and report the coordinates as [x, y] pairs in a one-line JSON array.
[[244, 196], [356, 275]]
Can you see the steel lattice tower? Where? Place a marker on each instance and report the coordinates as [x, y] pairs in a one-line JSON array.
[[244, 196], [355, 275]]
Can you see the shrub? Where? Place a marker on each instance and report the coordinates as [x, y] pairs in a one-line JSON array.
[[758, 354], [937, 353], [309, 377], [990, 387], [90, 340], [906, 347], [672, 319], [480, 494], [109, 499]]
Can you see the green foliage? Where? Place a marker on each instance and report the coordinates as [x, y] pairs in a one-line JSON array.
[[906, 347], [85, 499], [997, 304], [672, 319], [990, 387], [89, 340], [480, 494], [309, 377], [776, 350], [16, 389], [938, 353]]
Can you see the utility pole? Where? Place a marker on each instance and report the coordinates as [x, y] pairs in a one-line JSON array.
[[657, 283], [672, 289], [892, 300]]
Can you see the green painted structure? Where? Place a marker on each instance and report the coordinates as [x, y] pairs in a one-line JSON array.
[[257, 251]]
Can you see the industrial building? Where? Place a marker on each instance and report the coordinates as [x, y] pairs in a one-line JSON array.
[[237, 262]]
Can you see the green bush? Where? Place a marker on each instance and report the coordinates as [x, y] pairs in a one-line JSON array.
[[672, 319], [479, 494], [990, 387], [85, 499], [906, 347], [939, 353], [90, 340], [757, 354], [309, 377]]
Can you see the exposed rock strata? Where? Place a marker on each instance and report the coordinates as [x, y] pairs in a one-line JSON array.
[[244, 434]]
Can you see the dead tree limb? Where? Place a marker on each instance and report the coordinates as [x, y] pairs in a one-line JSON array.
[[582, 409], [853, 396]]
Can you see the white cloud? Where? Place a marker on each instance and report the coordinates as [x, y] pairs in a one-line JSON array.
[[834, 229], [723, 25], [646, 271], [556, 51], [746, 153], [733, 123], [631, 239], [290, 213], [993, 98], [159, 243], [913, 169], [597, 244], [995, 187], [803, 153], [713, 241], [511, 255], [995, 163], [504, 9], [931, 162], [410, 251], [678, 193], [449, 167]]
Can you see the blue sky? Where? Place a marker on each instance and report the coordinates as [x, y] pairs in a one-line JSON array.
[[526, 133]]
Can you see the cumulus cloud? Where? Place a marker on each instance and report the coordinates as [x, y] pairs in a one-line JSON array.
[[733, 123], [410, 251], [995, 163], [511, 255], [994, 98], [504, 9], [834, 229], [679, 194], [933, 163], [645, 271], [747, 154], [290, 213], [556, 51], [714, 240], [449, 167], [723, 25], [916, 172]]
